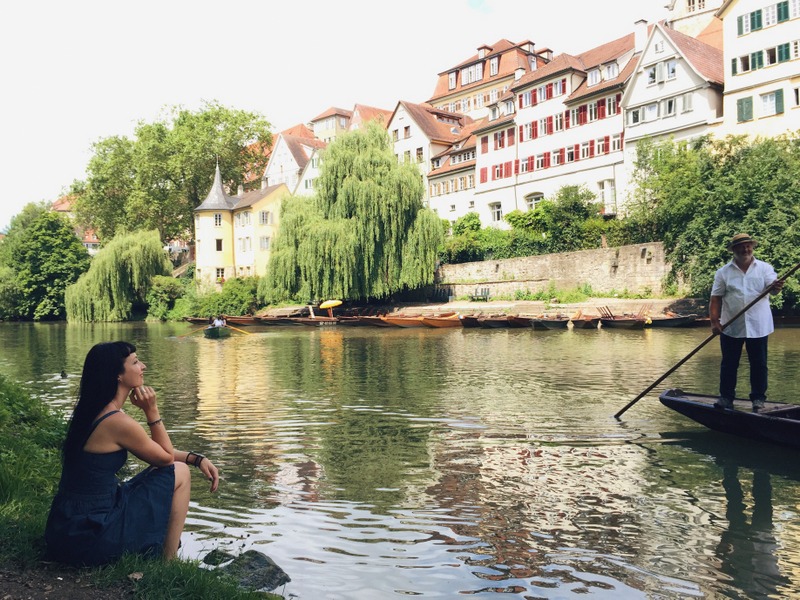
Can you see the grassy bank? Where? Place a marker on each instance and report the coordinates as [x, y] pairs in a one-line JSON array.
[[30, 438]]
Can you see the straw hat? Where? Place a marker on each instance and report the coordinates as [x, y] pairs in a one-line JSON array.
[[741, 238]]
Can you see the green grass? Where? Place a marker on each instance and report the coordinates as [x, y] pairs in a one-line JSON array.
[[30, 467]]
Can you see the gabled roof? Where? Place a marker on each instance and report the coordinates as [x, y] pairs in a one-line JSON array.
[[298, 145], [469, 140], [249, 198], [706, 60], [363, 114], [217, 199], [429, 120], [299, 130], [331, 112], [584, 90]]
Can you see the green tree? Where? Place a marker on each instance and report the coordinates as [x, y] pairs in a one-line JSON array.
[[365, 233], [158, 178], [41, 257], [119, 279], [469, 222]]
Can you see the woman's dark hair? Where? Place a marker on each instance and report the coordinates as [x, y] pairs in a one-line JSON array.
[[103, 364]]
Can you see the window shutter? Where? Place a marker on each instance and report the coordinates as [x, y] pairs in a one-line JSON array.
[[621, 139], [516, 166], [534, 97], [484, 175], [549, 91], [520, 100], [783, 52], [591, 148], [778, 102], [577, 150], [546, 160], [739, 25], [601, 108], [521, 133], [755, 20], [530, 163], [535, 129], [582, 115], [607, 143], [495, 140], [566, 119], [564, 86], [757, 60], [783, 12], [550, 124], [494, 173], [563, 155], [733, 66], [739, 110], [660, 72], [484, 144], [511, 136], [507, 169]]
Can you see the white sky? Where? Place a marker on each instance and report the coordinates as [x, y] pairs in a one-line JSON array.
[[78, 71]]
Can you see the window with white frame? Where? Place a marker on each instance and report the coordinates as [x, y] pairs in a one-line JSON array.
[[574, 116], [531, 200], [221, 273], [669, 107], [600, 146], [451, 80], [264, 217], [570, 154], [795, 9], [634, 116], [616, 142], [471, 181], [593, 77], [558, 87], [558, 122], [472, 204], [651, 75], [584, 150], [493, 64], [555, 158], [591, 111], [527, 131], [452, 208], [611, 105], [612, 70], [217, 219], [608, 195], [540, 161], [509, 107], [772, 103], [797, 97], [498, 171], [672, 69], [651, 112], [770, 15], [542, 125], [526, 98], [523, 165], [541, 93], [659, 47], [496, 210], [493, 96], [478, 100]]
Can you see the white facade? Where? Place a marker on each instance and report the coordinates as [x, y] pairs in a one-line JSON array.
[[762, 66]]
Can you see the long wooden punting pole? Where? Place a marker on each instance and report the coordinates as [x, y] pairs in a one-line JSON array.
[[704, 342]]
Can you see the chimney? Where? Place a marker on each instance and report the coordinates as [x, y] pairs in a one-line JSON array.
[[240, 190], [518, 73], [639, 35]]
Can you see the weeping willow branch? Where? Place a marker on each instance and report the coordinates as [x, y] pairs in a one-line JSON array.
[[118, 278]]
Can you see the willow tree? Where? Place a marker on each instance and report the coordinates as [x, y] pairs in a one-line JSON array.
[[364, 234], [117, 282]]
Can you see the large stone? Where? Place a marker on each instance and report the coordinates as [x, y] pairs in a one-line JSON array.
[[253, 570]]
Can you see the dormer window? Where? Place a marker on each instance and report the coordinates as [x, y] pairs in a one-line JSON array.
[[494, 113], [509, 107], [452, 80], [493, 66], [593, 77], [612, 70]]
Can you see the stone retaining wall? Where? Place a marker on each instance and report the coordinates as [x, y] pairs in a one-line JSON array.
[[638, 269]]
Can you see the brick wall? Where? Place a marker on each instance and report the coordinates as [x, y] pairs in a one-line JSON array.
[[635, 269]]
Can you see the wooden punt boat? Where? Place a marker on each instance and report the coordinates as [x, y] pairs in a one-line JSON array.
[[314, 321], [550, 323], [241, 320], [494, 321], [196, 319], [623, 322], [271, 320], [440, 321], [404, 320], [215, 333], [519, 321], [673, 321], [471, 321], [585, 322], [374, 320], [777, 422]]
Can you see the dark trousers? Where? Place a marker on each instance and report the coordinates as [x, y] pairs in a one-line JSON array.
[[756, 355]]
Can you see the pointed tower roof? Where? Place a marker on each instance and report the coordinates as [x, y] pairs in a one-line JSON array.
[[217, 199]]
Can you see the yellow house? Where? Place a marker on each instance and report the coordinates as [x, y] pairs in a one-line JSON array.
[[233, 234]]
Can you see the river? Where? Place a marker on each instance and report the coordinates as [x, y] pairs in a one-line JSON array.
[[375, 463]]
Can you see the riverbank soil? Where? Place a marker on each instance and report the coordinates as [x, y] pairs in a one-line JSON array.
[[54, 582]]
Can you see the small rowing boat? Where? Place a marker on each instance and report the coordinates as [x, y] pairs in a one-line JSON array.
[[215, 333]]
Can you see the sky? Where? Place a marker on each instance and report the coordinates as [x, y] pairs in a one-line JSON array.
[[79, 71]]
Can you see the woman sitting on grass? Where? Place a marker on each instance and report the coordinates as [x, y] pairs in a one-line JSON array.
[[95, 518]]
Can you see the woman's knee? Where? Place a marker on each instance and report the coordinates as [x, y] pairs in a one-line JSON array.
[[182, 475]]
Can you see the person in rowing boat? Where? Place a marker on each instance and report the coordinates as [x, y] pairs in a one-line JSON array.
[[94, 518], [737, 284], [219, 321]]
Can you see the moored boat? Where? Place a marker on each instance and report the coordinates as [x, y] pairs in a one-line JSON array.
[[519, 321], [442, 321], [215, 333], [550, 322], [241, 319], [585, 322], [672, 320], [315, 321], [624, 322], [404, 320], [777, 422], [471, 321]]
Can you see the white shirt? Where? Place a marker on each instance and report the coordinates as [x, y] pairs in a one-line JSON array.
[[739, 289]]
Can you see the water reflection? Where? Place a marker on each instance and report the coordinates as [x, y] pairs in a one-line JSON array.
[[380, 463]]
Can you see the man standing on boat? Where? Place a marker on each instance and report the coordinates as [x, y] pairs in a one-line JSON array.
[[736, 285]]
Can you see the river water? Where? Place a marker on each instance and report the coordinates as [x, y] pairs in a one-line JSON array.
[[375, 463]]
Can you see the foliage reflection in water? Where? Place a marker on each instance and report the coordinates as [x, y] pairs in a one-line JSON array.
[[377, 463]]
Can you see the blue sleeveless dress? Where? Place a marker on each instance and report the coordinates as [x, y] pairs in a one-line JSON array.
[[95, 518]]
